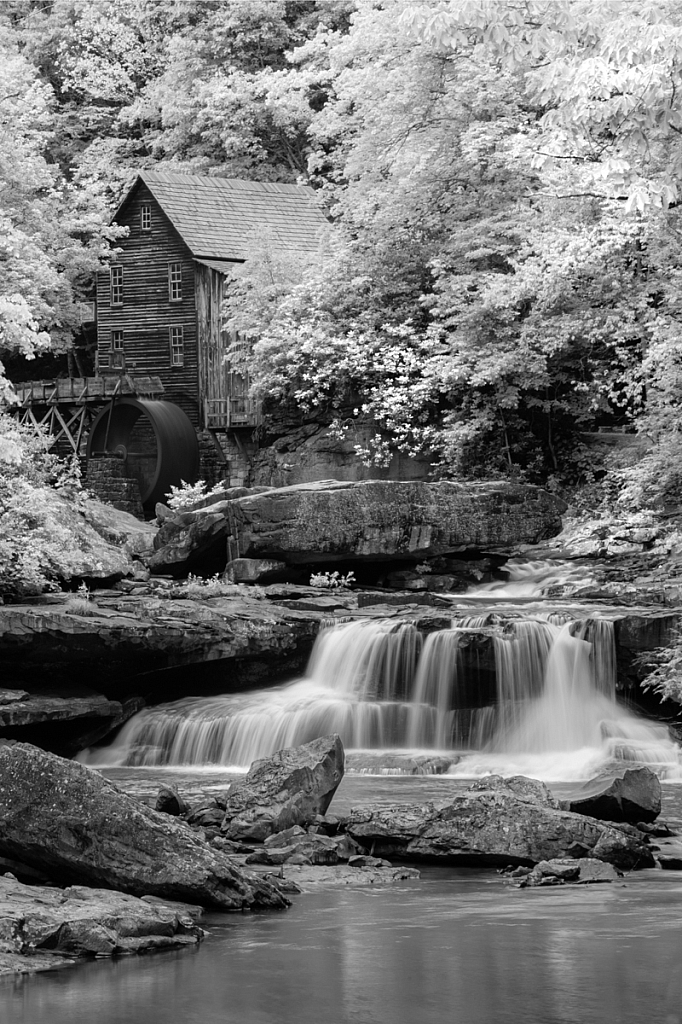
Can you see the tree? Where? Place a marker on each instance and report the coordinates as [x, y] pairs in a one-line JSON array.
[[606, 77], [52, 233], [478, 268]]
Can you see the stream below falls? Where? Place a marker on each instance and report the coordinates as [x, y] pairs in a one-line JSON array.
[[459, 944]]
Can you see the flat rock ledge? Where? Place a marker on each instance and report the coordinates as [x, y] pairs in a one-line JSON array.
[[42, 928], [341, 876], [123, 636], [564, 871]]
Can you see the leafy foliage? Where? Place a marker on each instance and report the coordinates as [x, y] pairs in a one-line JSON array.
[[502, 275], [665, 669], [34, 542], [332, 580], [184, 497]]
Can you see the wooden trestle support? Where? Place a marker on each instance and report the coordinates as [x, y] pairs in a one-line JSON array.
[[66, 408]]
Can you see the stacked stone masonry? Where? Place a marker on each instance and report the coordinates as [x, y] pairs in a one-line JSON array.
[[235, 468], [106, 478]]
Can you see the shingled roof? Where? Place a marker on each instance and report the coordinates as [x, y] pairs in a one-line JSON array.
[[222, 218]]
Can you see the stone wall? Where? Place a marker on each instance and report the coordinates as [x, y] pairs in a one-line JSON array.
[[106, 478], [235, 468]]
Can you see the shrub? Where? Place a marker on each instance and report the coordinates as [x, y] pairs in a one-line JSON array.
[[196, 588], [182, 498], [332, 580], [81, 603], [35, 545]]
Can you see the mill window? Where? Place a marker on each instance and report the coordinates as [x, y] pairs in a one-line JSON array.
[[175, 282], [117, 341], [177, 346], [116, 286], [146, 218]]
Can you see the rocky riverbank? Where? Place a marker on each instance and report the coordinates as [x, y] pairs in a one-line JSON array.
[[136, 878]]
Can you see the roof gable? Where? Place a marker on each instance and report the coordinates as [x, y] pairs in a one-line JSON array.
[[223, 218]]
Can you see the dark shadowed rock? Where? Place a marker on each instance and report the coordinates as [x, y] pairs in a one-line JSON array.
[[169, 801], [635, 796], [66, 820], [494, 826], [39, 926], [64, 724], [253, 570], [207, 815], [290, 788], [182, 539]]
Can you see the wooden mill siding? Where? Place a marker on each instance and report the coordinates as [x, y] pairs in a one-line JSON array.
[[147, 314], [211, 347]]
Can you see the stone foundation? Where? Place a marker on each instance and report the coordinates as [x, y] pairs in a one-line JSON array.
[[235, 470], [106, 478]]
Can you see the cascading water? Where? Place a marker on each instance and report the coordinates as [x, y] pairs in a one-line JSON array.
[[557, 715], [380, 685]]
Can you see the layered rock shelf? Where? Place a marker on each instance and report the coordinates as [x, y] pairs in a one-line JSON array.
[[332, 520], [117, 637]]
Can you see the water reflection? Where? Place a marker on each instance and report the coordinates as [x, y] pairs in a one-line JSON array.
[[458, 946]]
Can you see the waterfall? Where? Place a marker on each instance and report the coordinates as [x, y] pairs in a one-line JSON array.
[[380, 685]]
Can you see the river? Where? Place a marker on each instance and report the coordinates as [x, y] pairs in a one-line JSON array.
[[458, 945]]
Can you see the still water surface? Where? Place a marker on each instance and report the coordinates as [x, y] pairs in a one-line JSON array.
[[457, 946]]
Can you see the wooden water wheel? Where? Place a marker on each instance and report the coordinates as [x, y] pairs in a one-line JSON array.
[[155, 439]]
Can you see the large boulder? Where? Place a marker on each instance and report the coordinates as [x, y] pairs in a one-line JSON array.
[[634, 796], [290, 788], [66, 820], [40, 925], [385, 519], [190, 535], [495, 825], [132, 536]]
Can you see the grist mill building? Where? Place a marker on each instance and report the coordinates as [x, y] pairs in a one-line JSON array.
[[159, 304], [168, 401]]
